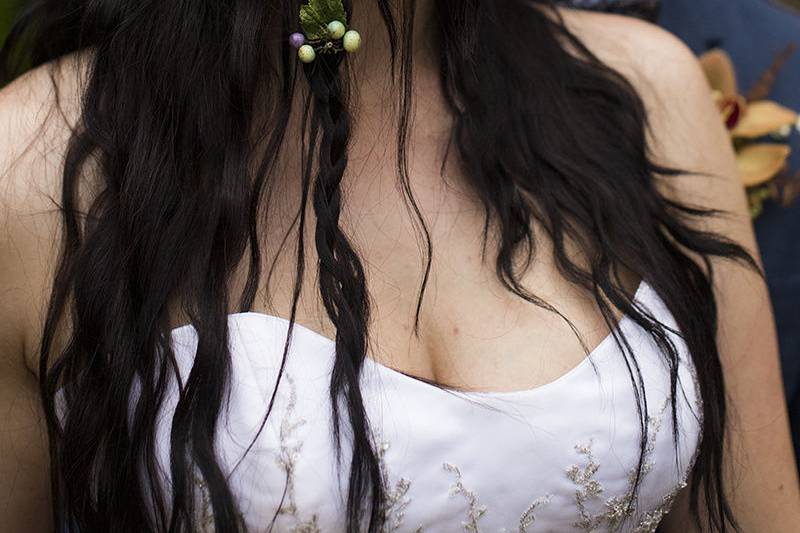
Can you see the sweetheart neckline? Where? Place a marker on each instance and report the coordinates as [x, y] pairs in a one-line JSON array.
[[588, 360]]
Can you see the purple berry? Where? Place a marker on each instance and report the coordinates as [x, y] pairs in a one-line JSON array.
[[297, 40]]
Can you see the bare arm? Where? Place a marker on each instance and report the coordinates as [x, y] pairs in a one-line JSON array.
[[24, 504], [760, 470], [33, 135]]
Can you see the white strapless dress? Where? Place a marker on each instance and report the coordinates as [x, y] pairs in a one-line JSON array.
[[557, 458]]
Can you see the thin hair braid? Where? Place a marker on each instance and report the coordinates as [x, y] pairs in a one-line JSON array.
[[342, 284]]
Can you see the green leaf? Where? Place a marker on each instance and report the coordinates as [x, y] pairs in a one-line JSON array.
[[315, 16]]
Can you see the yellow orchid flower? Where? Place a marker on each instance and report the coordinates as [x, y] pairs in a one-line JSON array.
[[759, 163], [762, 118]]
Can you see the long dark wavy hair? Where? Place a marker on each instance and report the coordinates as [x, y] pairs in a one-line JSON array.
[[552, 137]]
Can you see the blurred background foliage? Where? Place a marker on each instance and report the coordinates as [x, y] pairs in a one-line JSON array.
[[8, 10]]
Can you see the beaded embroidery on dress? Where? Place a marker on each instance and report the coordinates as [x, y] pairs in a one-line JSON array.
[[558, 458]]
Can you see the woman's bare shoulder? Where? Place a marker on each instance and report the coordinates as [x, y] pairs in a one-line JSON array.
[[38, 112], [684, 127], [41, 107], [636, 48], [663, 70], [685, 130]]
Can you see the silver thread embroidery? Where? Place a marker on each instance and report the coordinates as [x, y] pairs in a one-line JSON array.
[[618, 508], [476, 511], [588, 487], [287, 461], [206, 514], [396, 500], [649, 522], [206, 511], [528, 518]]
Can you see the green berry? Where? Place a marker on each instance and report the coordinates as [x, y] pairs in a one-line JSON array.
[[351, 41], [336, 29], [306, 53]]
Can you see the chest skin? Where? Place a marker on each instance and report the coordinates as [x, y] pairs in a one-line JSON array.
[[473, 333]]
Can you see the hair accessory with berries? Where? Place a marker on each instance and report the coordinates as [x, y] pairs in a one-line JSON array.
[[324, 24]]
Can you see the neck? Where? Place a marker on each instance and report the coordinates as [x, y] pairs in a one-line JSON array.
[[374, 57]]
